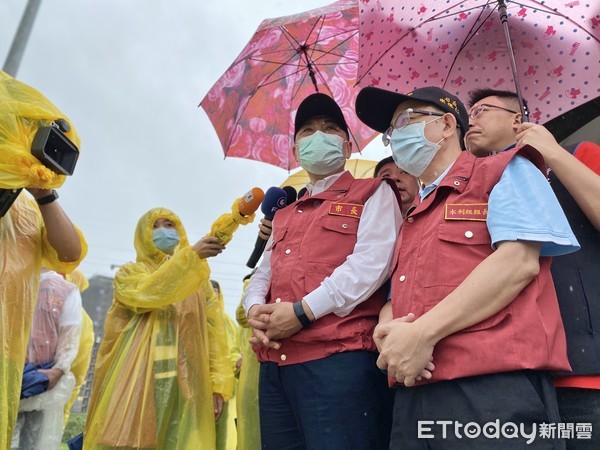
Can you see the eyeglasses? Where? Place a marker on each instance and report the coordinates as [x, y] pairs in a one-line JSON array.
[[404, 119], [476, 112]]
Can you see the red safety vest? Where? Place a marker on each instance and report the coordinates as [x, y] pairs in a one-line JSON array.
[[311, 238], [440, 244]]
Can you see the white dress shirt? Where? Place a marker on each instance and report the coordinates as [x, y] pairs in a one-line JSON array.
[[363, 272]]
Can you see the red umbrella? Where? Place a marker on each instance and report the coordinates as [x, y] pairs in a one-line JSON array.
[[461, 45], [253, 104]]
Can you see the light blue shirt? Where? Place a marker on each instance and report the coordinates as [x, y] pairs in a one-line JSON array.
[[523, 207], [431, 187]]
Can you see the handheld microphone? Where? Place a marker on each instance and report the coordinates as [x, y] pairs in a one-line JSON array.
[[275, 199], [292, 195], [302, 192], [250, 202]]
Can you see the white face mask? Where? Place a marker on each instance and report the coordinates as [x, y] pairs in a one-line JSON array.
[[411, 150], [321, 153]]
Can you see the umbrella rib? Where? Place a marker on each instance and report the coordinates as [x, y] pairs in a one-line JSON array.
[[331, 52], [265, 82], [470, 35], [295, 53], [301, 50], [311, 45], [324, 53], [284, 63], [431, 19], [439, 16]]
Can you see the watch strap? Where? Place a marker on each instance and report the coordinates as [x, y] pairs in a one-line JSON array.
[[301, 314], [48, 198]]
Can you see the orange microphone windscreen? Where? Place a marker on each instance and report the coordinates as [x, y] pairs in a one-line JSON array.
[[250, 202]]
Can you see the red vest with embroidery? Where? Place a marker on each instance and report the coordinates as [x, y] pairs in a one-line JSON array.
[[311, 238], [440, 244]]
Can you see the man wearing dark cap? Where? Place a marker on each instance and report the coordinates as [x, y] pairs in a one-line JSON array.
[[315, 298], [471, 278]]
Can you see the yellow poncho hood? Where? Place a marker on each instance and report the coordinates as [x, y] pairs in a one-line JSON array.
[[145, 249], [23, 110]]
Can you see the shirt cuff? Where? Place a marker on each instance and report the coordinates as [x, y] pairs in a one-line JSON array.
[[249, 303], [320, 302]]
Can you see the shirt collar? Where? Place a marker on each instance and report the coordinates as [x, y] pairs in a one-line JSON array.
[[431, 187], [324, 184]]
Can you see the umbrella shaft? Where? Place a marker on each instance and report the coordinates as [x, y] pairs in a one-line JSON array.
[[511, 56]]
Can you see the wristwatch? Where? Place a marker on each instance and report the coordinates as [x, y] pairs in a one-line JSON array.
[[301, 315], [47, 199]]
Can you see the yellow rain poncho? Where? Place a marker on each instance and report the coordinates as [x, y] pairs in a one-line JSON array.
[[23, 242], [22, 111], [23, 248], [226, 429], [248, 420], [164, 352], [81, 363]]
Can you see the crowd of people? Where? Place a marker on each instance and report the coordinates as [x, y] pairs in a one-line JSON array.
[[455, 286]]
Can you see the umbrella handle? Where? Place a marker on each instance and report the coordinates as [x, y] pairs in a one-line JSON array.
[[511, 56]]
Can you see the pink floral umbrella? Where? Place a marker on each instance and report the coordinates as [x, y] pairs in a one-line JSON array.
[[460, 45], [253, 105]]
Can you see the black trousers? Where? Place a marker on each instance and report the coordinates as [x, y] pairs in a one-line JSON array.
[[477, 413], [581, 406], [338, 402]]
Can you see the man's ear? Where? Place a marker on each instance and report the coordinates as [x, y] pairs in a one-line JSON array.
[[450, 125], [295, 152], [347, 149], [517, 121]]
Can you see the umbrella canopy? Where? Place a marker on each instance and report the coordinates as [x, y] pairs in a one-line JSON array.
[[253, 105], [359, 168], [461, 46]]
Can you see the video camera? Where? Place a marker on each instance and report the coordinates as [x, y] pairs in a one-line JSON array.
[[54, 150]]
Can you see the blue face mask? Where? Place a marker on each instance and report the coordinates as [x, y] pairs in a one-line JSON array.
[[411, 150], [165, 239], [321, 153]]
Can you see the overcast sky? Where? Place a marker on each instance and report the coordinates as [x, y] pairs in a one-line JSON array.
[[129, 75]]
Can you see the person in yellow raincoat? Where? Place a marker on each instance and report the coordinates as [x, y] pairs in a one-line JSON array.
[[27, 237], [30, 233], [80, 365], [225, 426], [248, 419], [162, 370]]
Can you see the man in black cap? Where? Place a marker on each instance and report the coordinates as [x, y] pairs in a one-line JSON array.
[[315, 298], [471, 280]]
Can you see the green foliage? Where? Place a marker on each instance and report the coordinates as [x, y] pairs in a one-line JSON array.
[[74, 426]]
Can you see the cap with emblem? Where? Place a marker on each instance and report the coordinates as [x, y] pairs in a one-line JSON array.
[[375, 107], [319, 105]]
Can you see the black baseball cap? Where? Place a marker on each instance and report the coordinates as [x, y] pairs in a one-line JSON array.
[[319, 105], [375, 107]]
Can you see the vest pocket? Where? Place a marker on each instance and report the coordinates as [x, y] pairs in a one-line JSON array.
[[454, 251], [334, 240], [466, 232], [275, 247]]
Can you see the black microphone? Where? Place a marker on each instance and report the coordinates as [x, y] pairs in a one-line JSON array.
[[302, 192], [275, 199], [292, 195]]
